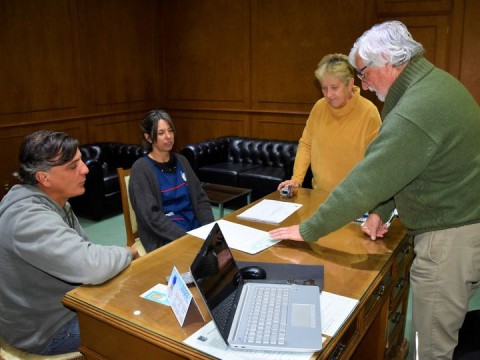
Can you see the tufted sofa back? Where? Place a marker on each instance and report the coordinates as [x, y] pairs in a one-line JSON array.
[[112, 155], [235, 149], [270, 153], [207, 152], [257, 164]]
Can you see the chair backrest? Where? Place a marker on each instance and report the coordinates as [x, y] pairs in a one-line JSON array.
[[128, 213]]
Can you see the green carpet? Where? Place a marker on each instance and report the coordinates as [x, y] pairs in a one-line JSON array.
[[109, 231]]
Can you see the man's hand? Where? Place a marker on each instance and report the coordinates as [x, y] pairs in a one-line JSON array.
[[374, 227], [286, 233], [134, 252]]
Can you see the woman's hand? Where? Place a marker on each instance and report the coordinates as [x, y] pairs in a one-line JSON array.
[[286, 233], [374, 227], [291, 183]]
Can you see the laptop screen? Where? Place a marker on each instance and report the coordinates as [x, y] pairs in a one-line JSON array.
[[217, 276]]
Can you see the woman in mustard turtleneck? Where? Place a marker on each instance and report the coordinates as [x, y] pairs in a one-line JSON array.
[[338, 130]]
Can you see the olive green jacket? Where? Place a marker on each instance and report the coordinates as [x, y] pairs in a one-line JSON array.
[[425, 160]]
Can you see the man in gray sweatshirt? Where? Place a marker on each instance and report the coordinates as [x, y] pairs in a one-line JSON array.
[[44, 252]]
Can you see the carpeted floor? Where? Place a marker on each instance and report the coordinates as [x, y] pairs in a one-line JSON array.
[[109, 231]]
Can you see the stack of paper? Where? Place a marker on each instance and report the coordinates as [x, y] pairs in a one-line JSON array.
[[270, 211]]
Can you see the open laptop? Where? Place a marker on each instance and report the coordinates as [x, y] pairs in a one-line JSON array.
[[231, 300]]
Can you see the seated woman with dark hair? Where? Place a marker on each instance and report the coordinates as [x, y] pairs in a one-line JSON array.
[[165, 193]]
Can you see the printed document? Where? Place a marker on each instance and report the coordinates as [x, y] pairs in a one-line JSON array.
[[270, 211], [335, 310], [239, 237], [208, 340]]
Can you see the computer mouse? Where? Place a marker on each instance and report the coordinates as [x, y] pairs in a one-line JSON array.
[[253, 273]]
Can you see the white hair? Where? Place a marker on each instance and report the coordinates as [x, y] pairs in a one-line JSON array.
[[387, 43]]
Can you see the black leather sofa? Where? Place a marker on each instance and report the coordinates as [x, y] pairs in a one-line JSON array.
[[102, 188], [257, 164]]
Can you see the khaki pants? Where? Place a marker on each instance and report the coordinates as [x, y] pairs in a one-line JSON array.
[[444, 276]]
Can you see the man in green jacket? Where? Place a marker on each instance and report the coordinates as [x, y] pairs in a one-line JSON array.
[[425, 162]]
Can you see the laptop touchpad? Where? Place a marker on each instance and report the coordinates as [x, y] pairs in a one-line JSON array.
[[303, 315]]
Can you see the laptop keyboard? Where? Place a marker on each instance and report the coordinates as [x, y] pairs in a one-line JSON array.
[[221, 312], [268, 322]]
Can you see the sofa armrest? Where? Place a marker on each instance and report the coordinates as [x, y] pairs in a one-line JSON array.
[[92, 202], [94, 181], [102, 188], [192, 155]]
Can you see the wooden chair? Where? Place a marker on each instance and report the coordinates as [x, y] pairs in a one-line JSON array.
[[128, 213], [8, 352]]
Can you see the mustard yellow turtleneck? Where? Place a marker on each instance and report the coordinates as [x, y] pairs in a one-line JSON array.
[[334, 140]]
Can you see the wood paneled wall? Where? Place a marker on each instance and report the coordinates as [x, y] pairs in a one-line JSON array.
[[93, 68]]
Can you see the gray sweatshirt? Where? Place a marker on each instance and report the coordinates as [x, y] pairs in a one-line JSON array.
[[44, 253]]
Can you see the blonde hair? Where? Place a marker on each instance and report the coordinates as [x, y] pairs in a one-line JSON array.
[[335, 65]]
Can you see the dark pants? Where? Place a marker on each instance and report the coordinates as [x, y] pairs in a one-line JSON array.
[[66, 340]]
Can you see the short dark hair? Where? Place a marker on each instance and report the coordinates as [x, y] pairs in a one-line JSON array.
[[42, 150]]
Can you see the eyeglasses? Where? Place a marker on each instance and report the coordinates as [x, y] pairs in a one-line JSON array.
[[360, 73]]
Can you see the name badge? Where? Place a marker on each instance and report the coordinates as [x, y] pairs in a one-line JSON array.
[[182, 301]]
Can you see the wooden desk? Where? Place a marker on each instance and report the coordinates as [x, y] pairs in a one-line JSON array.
[[116, 323]]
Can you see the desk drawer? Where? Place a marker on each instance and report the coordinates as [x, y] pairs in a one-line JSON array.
[[398, 352], [396, 326], [405, 255], [400, 286], [344, 342], [378, 295]]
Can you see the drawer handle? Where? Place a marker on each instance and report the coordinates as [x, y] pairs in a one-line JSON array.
[[400, 283], [407, 249], [337, 352], [396, 319], [380, 290]]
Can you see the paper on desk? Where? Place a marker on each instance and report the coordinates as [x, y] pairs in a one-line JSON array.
[[239, 237], [158, 293], [335, 309], [270, 211], [208, 340]]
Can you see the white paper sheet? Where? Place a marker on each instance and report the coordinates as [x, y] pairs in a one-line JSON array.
[[239, 237], [335, 309], [270, 211], [208, 340]]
